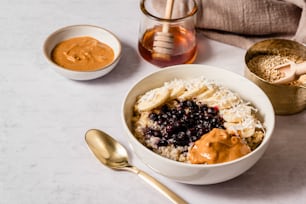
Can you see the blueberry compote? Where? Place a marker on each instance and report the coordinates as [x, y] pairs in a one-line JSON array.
[[183, 124]]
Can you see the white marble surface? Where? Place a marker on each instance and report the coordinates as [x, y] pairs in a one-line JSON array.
[[43, 118]]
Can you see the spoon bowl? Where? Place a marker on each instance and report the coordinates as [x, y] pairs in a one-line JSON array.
[[113, 155], [107, 150]]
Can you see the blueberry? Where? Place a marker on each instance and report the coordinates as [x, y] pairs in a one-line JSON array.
[[188, 133], [193, 138], [169, 129], [211, 111], [183, 124], [164, 108], [181, 135], [153, 116], [157, 133], [164, 116], [162, 143], [189, 103]]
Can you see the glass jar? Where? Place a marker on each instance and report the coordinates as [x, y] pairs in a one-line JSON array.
[[167, 34]]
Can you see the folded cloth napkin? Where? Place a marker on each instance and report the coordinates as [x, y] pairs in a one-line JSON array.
[[244, 22]]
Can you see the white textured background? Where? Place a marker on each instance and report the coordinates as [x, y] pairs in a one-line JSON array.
[[44, 116]]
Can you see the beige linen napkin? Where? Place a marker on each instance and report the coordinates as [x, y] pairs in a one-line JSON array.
[[243, 22]]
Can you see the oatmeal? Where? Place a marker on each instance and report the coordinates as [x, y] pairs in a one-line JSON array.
[[170, 120]]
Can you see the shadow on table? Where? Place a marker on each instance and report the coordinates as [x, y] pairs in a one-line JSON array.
[[281, 170], [128, 64], [204, 50]]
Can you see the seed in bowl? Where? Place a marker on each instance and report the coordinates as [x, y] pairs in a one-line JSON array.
[[196, 121], [82, 54], [264, 67]]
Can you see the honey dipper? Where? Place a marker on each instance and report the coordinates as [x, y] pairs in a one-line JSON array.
[[163, 41]]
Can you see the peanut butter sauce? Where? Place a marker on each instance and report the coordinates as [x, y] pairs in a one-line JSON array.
[[216, 147], [82, 54]]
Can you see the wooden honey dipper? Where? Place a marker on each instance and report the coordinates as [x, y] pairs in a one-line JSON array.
[[163, 41]]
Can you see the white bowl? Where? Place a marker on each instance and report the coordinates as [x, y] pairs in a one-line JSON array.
[[200, 173], [98, 33]]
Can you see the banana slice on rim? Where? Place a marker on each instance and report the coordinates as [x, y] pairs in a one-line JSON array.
[[152, 99]]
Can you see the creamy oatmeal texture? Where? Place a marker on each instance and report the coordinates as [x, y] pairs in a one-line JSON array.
[[170, 119]]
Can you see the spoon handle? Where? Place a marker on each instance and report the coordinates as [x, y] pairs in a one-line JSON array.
[[300, 68], [159, 186]]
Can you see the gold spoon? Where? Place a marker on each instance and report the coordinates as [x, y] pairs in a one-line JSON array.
[[112, 154]]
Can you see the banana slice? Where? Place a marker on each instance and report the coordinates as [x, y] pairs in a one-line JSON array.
[[176, 87], [228, 99], [152, 99], [209, 92], [223, 98], [237, 113], [225, 104], [242, 129], [207, 97], [193, 88], [248, 132]]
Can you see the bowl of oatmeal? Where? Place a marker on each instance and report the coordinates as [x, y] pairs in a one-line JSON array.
[[261, 60], [192, 124]]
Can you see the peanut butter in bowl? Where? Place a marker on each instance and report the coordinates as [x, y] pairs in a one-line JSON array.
[[82, 54], [217, 146]]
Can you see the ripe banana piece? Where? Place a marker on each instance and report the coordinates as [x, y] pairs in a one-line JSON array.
[[237, 113], [176, 87], [152, 99], [244, 129], [209, 92], [192, 89]]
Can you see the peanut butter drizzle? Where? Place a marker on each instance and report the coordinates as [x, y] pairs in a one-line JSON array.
[[216, 147], [82, 54]]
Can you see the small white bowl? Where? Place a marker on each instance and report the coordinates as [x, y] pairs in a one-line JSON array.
[[197, 173], [98, 33]]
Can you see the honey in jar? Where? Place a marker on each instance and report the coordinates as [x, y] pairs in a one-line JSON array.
[[167, 36], [184, 47]]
